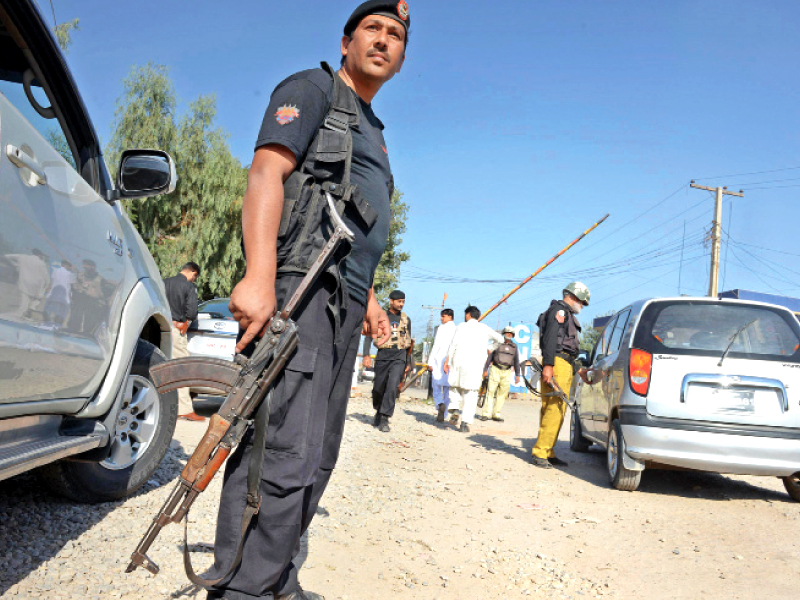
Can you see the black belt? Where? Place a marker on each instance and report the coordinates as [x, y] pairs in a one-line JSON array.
[[567, 357], [502, 367]]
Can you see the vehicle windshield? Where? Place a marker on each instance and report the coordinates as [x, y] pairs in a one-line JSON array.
[[707, 328], [216, 309]]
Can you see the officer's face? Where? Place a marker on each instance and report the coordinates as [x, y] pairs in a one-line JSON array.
[[377, 48], [397, 305], [446, 319], [508, 336]]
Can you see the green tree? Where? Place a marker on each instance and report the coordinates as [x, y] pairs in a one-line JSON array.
[[200, 220], [63, 33], [590, 335], [386, 275]]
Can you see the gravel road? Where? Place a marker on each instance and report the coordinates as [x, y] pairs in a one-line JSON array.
[[427, 512]]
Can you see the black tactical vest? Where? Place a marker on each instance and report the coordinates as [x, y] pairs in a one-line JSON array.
[[567, 340], [305, 224], [504, 355]]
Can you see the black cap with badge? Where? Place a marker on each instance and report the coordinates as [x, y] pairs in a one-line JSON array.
[[394, 10]]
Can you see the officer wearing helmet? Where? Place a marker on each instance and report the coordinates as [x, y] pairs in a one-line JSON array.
[[498, 369], [559, 332]]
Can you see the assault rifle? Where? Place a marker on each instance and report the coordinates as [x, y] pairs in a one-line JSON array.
[[557, 391], [246, 382]]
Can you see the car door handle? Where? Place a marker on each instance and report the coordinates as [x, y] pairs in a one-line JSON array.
[[24, 160]]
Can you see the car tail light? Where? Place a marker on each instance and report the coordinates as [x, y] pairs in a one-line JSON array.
[[641, 367]]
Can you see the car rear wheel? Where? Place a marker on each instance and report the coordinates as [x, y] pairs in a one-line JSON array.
[[620, 477], [577, 443], [145, 424], [792, 485]]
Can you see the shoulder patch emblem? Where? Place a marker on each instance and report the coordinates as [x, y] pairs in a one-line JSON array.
[[286, 114], [560, 316], [402, 10]]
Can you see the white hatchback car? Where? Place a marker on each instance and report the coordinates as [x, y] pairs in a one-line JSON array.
[[697, 383]]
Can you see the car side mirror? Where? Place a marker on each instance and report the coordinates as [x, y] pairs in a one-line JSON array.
[[583, 357], [144, 173]]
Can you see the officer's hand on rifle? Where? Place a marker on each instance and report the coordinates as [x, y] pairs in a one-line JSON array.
[[376, 321], [485, 374], [253, 305], [366, 362], [547, 374], [518, 381]]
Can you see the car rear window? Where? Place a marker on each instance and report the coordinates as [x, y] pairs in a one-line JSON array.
[[217, 309], [706, 328]]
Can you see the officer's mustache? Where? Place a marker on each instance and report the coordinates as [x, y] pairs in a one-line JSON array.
[[383, 55]]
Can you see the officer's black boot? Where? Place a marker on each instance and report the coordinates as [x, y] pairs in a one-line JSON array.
[[384, 424], [300, 594], [376, 421]]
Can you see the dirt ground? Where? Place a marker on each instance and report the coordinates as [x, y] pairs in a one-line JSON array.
[[426, 511]]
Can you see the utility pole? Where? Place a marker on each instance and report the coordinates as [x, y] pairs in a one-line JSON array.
[[716, 233]]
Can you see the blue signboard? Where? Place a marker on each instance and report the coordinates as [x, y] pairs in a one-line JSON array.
[[526, 336]]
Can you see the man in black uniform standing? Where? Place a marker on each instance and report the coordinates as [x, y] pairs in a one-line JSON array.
[[391, 362], [182, 298], [319, 136]]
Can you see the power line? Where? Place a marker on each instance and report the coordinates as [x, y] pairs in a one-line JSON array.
[[745, 174]]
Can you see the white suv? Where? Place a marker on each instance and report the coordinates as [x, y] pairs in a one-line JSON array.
[[83, 314]]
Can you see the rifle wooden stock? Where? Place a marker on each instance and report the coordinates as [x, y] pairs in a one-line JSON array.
[[217, 428]]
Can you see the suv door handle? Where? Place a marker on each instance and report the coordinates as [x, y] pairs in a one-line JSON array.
[[24, 160]]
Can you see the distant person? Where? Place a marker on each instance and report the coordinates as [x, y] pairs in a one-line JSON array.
[[87, 301], [439, 379], [182, 297], [392, 362], [559, 332], [57, 306], [498, 368], [465, 361]]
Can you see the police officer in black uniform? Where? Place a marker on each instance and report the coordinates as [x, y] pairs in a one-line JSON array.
[[392, 362], [319, 135]]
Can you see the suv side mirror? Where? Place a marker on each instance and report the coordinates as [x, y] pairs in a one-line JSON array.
[[583, 357], [144, 173]]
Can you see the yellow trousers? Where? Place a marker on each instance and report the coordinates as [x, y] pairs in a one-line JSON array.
[[553, 410], [497, 391]]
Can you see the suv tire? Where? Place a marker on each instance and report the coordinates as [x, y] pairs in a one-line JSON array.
[[577, 443], [620, 477], [145, 426], [792, 485]]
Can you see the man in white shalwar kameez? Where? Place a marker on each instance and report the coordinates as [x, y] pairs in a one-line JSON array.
[[436, 360], [465, 360]]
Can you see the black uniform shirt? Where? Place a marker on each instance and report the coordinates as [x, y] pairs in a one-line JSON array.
[[548, 339], [295, 113], [182, 298]]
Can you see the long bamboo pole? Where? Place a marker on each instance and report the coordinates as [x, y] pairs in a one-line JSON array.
[[543, 267]]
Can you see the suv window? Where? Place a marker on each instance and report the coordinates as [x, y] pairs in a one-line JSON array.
[[601, 348], [619, 329], [706, 328], [13, 68]]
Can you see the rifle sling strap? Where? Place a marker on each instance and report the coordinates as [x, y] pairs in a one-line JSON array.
[[253, 505]]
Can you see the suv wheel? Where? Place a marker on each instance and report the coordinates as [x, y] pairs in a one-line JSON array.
[[620, 477], [577, 443], [792, 485], [145, 424]]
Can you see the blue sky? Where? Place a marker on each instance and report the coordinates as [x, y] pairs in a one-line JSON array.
[[514, 125]]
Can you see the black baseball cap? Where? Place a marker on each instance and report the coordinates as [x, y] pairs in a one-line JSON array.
[[394, 10]]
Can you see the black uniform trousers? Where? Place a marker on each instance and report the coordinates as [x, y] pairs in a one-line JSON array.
[[306, 423], [388, 375]]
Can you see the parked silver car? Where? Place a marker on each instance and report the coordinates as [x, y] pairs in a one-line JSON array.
[[83, 314], [710, 385], [213, 334]]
